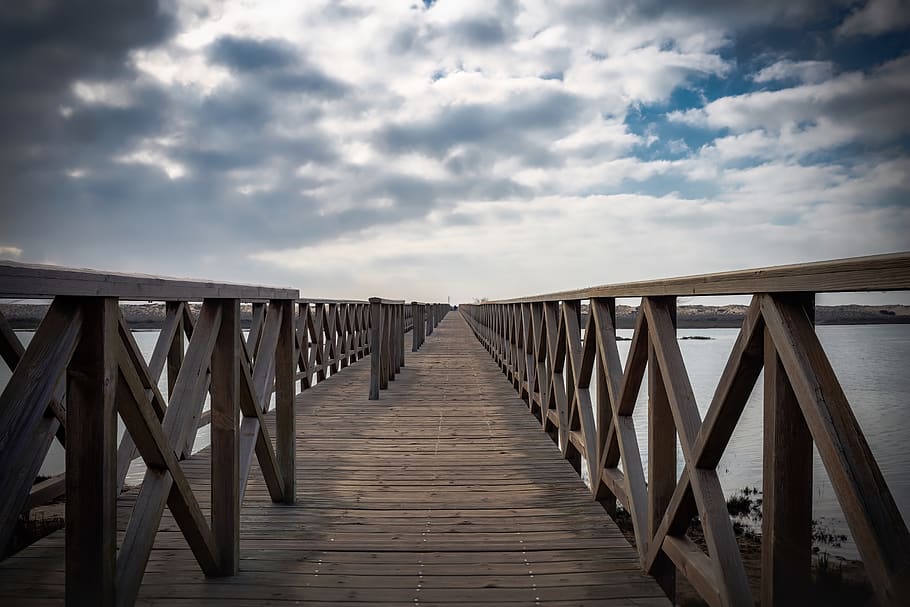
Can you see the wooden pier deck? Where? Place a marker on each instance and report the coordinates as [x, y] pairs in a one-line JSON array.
[[444, 491]]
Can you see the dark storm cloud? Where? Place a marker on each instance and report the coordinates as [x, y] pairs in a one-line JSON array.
[[497, 124], [46, 46], [480, 32], [247, 54], [275, 64], [720, 12]]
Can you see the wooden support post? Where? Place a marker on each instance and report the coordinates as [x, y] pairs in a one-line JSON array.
[[787, 484], [91, 457], [423, 324], [605, 496], [302, 354], [401, 328], [429, 323], [661, 458], [388, 371], [415, 326], [285, 420], [225, 472], [375, 347], [175, 352]]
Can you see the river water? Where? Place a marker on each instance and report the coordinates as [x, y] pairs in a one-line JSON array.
[[871, 362]]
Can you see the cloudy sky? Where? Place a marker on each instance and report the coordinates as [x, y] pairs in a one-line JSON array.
[[452, 148]]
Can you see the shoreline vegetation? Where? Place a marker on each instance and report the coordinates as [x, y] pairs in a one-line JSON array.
[[836, 581], [150, 316]]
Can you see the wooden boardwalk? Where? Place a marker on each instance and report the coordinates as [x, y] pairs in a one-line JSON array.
[[444, 491]]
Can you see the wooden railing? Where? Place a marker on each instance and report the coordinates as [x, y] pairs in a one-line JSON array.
[[426, 317], [539, 344], [83, 368], [389, 321]]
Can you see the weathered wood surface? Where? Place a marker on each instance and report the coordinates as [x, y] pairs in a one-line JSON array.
[[443, 492], [870, 273], [24, 280]]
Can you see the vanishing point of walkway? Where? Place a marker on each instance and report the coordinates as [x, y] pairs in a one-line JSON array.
[[444, 491]]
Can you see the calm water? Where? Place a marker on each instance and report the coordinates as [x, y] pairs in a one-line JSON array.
[[871, 363]]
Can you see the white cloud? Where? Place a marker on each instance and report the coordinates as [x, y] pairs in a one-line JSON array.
[[8, 251], [872, 107], [808, 72]]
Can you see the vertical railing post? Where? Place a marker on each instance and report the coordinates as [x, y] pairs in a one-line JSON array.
[[787, 484], [225, 391], [384, 342], [375, 347], [429, 323], [423, 324], [401, 326], [299, 354], [661, 458], [175, 352], [393, 341], [415, 326], [91, 457], [285, 419], [604, 495]]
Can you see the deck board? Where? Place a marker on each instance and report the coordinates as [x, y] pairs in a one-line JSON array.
[[444, 491]]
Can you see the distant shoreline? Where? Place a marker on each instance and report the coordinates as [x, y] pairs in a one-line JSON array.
[[149, 317]]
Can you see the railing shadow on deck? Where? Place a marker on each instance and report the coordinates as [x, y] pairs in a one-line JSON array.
[[539, 345], [83, 369]]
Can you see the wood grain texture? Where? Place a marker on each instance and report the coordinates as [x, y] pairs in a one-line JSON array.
[[26, 431], [91, 457], [25, 280], [871, 273]]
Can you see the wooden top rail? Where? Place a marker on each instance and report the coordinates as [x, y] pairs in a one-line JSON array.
[[322, 300], [21, 280], [386, 302], [871, 273]]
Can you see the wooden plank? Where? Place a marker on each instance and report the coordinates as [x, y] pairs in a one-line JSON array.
[[91, 457], [11, 351], [285, 420], [225, 368], [875, 523], [661, 457], [46, 491], [623, 387], [695, 566], [25, 431], [871, 273], [786, 554], [26, 280], [375, 347], [733, 389]]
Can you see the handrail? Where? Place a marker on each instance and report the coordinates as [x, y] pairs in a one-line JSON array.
[[324, 300], [551, 359], [853, 274], [386, 302], [24, 280]]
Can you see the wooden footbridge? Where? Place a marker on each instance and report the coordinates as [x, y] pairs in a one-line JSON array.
[[370, 452]]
